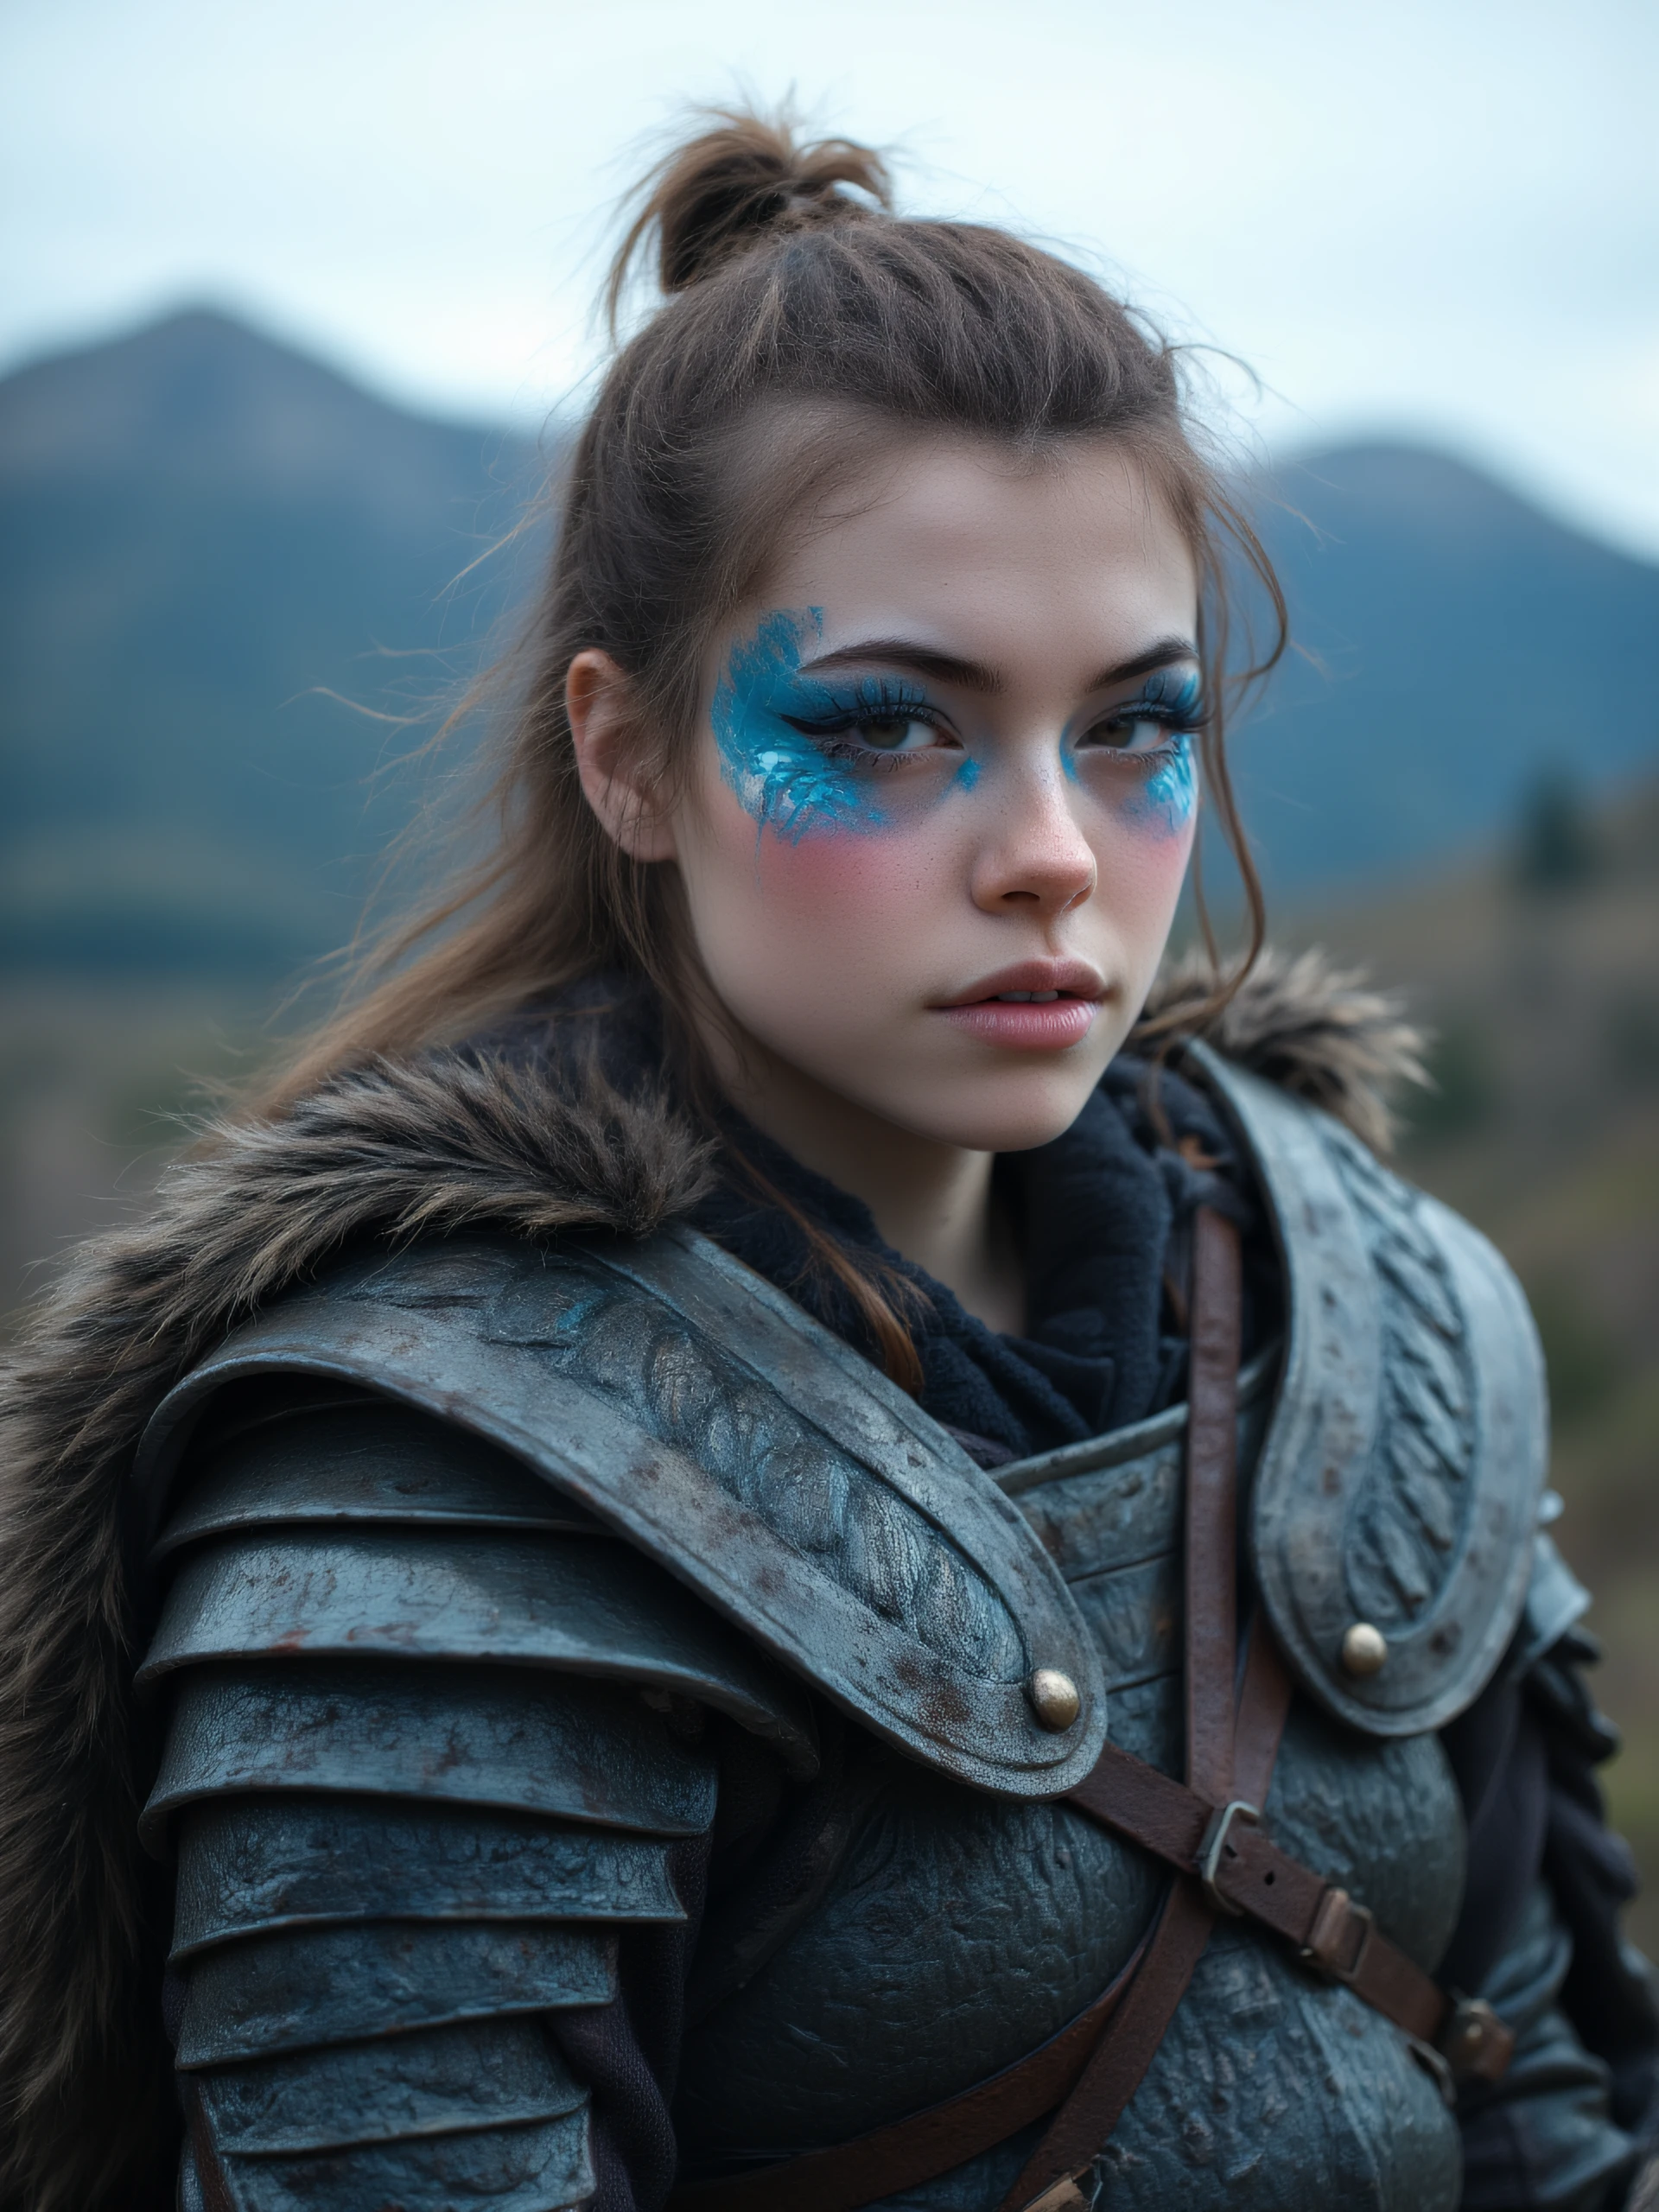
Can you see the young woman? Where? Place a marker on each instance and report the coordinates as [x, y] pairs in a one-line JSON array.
[[778, 1538]]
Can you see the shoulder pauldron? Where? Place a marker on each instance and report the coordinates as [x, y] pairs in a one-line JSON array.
[[1400, 1481], [697, 1411]]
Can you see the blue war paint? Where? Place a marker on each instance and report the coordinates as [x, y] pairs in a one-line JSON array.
[[798, 780], [1170, 793], [1164, 791], [782, 777]]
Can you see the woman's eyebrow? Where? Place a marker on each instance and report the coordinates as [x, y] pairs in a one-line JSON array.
[[1162, 655], [920, 660], [976, 675]]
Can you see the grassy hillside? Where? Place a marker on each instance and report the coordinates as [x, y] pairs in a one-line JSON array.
[[1541, 973]]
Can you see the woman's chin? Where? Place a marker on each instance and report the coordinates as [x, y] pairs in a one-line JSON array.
[[1004, 1115]]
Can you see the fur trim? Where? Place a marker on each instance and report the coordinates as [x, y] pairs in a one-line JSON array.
[[455, 1141], [386, 1152], [1315, 1030]]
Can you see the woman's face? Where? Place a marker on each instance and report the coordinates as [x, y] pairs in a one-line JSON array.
[[944, 794]]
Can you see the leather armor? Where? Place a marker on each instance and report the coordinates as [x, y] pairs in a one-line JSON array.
[[536, 1626]]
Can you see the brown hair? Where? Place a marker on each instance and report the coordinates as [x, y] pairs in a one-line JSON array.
[[803, 322]]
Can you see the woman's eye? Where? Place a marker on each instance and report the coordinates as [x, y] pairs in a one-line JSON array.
[[1130, 733], [891, 733]]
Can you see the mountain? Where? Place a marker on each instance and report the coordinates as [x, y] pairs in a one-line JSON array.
[[1454, 647], [204, 535]]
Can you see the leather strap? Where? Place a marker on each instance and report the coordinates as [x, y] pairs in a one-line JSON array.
[[1085, 2122], [1206, 1829], [925, 2143], [1211, 1582], [1250, 1875]]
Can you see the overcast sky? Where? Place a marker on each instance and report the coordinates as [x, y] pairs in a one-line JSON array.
[[1440, 219]]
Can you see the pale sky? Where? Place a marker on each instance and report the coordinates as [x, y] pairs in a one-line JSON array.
[[1437, 220]]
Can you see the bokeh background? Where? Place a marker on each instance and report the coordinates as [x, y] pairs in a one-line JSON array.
[[296, 309]]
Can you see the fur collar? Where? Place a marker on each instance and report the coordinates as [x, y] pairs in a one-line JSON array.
[[392, 1151]]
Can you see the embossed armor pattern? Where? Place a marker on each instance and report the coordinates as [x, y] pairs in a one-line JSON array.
[[1400, 1486], [1004, 1921], [394, 1868], [692, 1408], [350, 1586]]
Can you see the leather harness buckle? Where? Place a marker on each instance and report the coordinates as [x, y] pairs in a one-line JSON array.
[[1475, 2043], [1214, 1844], [1338, 1924]]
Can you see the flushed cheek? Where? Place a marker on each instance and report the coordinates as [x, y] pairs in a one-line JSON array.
[[848, 884], [1141, 868], [1157, 798], [835, 901]]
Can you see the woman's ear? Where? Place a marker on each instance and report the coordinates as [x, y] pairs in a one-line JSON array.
[[601, 703]]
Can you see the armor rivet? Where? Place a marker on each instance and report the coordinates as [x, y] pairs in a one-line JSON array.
[[1054, 1698], [1364, 1649]]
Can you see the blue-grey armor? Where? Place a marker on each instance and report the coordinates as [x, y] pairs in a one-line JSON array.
[[552, 1638]]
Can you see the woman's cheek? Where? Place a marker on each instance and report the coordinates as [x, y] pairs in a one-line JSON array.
[[1142, 858], [835, 874], [844, 879], [832, 890], [1154, 862]]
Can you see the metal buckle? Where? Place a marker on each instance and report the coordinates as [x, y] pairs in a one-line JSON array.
[[1336, 1912], [1475, 2042], [1214, 1843], [1434, 2064], [1062, 2195]]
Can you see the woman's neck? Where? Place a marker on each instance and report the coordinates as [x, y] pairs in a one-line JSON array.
[[933, 1202]]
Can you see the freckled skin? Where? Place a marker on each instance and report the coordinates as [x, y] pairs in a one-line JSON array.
[[839, 901]]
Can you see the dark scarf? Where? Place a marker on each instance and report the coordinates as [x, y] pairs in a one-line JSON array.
[[1103, 1217]]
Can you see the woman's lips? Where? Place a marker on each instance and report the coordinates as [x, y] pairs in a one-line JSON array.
[[1029, 1025], [1031, 1006]]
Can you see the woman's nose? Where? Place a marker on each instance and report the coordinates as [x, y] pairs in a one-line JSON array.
[[1039, 861]]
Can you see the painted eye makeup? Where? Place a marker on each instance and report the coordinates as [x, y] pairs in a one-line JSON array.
[[807, 754], [798, 753], [878, 726], [1145, 745], [1169, 708]]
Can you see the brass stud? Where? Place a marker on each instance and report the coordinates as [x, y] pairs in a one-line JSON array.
[[1054, 1698], [1364, 1649]]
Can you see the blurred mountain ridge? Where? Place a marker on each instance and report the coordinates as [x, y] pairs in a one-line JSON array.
[[202, 398], [1453, 645], [205, 533]]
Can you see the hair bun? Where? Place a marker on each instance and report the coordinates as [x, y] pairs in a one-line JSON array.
[[722, 191]]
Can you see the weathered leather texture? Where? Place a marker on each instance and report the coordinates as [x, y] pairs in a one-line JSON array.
[[1400, 1484], [957, 1933], [415, 1792], [343, 2052], [689, 1407]]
